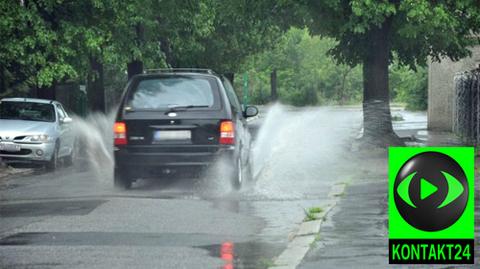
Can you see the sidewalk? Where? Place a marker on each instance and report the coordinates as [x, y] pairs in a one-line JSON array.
[[355, 234]]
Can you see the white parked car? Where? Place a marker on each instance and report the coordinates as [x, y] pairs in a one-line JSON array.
[[35, 130]]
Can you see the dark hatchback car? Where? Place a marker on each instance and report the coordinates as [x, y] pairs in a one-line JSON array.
[[178, 119]]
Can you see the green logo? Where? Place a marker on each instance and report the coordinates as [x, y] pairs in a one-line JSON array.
[[454, 189], [431, 198]]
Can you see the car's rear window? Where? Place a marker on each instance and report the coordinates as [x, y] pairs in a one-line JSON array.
[[27, 111], [164, 92]]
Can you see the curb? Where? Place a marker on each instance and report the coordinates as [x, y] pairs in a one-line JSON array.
[[307, 233]]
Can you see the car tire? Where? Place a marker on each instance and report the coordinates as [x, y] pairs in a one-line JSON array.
[[70, 159], [52, 165], [240, 174], [121, 179]]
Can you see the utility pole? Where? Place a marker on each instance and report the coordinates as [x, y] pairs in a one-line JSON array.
[[245, 89], [273, 85]]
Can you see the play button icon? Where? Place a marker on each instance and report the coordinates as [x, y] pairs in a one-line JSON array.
[[426, 189]]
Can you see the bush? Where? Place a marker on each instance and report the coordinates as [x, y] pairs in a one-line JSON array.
[[409, 87], [300, 97]]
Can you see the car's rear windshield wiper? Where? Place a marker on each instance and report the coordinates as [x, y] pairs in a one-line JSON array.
[[180, 108], [170, 108]]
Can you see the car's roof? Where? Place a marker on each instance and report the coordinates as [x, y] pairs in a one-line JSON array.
[[171, 74], [180, 70], [30, 100]]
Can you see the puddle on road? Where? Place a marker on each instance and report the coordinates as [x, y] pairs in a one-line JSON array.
[[8, 186], [60, 208], [233, 254], [245, 254]]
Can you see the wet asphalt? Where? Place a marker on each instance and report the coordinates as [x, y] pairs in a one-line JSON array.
[[74, 218]]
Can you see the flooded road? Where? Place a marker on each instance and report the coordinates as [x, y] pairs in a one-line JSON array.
[[74, 218]]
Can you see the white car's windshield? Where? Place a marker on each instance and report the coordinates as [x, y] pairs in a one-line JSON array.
[[27, 111]]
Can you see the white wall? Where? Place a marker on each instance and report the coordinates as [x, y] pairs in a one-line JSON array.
[[441, 89]]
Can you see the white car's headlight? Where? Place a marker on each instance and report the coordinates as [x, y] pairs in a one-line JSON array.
[[38, 138]]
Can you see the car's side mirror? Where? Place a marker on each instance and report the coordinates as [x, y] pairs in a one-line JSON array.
[[251, 111], [66, 120]]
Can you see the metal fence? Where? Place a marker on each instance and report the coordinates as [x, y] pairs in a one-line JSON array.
[[466, 121]]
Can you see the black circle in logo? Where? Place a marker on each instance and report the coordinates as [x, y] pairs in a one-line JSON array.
[[426, 210]]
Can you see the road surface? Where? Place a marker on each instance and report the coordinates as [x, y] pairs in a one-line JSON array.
[[74, 218]]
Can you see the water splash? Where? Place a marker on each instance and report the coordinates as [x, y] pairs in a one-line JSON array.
[[266, 141], [94, 136], [296, 149], [299, 153]]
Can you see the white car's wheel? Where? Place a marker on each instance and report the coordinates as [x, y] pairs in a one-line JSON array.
[[52, 165], [70, 159]]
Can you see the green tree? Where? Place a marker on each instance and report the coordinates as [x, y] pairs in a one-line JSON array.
[[32, 52], [47, 41], [306, 74], [235, 31], [409, 87], [370, 32]]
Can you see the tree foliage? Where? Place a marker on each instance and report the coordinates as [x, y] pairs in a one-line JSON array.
[[237, 31], [47, 41], [419, 28], [43, 42], [307, 75], [371, 32], [32, 51], [409, 87]]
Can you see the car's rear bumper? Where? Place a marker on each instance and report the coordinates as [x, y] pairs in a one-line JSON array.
[[183, 156]]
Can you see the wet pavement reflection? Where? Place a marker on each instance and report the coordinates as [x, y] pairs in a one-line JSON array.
[[242, 255]]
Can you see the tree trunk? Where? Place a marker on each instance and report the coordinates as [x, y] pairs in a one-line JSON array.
[[230, 76], [134, 68], [47, 92], [166, 47], [342, 94], [273, 85], [95, 87], [377, 120], [3, 81]]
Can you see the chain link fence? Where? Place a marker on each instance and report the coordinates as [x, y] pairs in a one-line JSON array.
[[466, 121]]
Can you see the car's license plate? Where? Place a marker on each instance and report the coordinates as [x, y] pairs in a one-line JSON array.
[[177, 135], [10, 147]]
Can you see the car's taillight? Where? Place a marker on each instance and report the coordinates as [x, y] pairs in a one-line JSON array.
[[227, 133], [120, 133]]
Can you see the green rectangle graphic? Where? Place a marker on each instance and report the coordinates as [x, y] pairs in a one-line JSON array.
[[431, 193]]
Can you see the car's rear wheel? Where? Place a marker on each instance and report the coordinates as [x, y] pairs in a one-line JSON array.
[[122, 179], [240, 174], [52, 165]]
